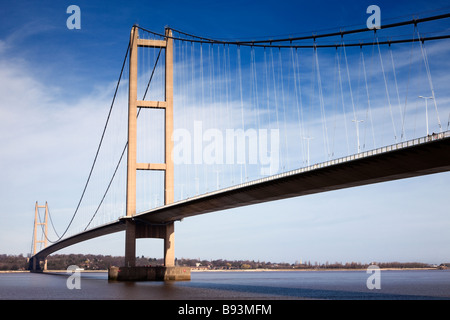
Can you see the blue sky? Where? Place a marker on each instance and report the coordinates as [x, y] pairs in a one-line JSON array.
[[56, 86]]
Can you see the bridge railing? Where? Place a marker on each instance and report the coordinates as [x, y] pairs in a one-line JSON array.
[[384, 149]]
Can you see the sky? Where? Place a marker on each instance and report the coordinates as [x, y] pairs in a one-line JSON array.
[[56, 87]]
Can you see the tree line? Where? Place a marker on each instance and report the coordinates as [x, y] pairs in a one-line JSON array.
[[103, 262]]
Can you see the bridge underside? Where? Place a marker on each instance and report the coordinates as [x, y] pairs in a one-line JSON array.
[[112, 227], [422, 159]]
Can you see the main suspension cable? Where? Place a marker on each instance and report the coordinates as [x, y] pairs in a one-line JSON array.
[[269, 42], [98, 148], [125, 147]]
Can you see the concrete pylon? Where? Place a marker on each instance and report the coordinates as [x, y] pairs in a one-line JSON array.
[[34, 263], [135, 230]]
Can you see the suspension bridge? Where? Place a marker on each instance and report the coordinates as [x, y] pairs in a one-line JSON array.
[[217, 124]]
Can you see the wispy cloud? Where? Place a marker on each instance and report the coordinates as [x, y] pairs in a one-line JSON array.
[[47, 143]]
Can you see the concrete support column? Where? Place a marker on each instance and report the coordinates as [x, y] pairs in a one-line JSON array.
[[33, 263], [132, 125], [169, 239], [169, 245], [130, 233], [130, 244], [169, 173]]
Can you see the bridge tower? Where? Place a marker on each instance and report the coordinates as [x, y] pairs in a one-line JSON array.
[[44, 241], [134, 228]]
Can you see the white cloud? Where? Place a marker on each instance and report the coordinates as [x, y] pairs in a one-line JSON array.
[[47, 145]]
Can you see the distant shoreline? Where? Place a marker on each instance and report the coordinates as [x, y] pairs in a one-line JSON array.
[[302, 270], [51, 271], [242, 270]]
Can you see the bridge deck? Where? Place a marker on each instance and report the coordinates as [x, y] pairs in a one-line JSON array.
[[403, 160], [408, 159]]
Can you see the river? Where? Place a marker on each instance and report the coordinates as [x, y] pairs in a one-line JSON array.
[[267, 285]]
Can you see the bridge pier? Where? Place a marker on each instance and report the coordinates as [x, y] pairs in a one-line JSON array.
[[130, 244], [34, 264], [169, 245], [136, 229], [158, 273]]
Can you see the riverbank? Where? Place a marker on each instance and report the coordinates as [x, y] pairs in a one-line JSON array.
[[301, 270], [244, 270], [52, 271]]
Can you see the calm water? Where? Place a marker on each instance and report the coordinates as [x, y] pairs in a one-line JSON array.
[[234, 285]]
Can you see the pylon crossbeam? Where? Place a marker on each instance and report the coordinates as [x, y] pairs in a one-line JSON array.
[[152, 104], [151, 166], [151, 43]]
